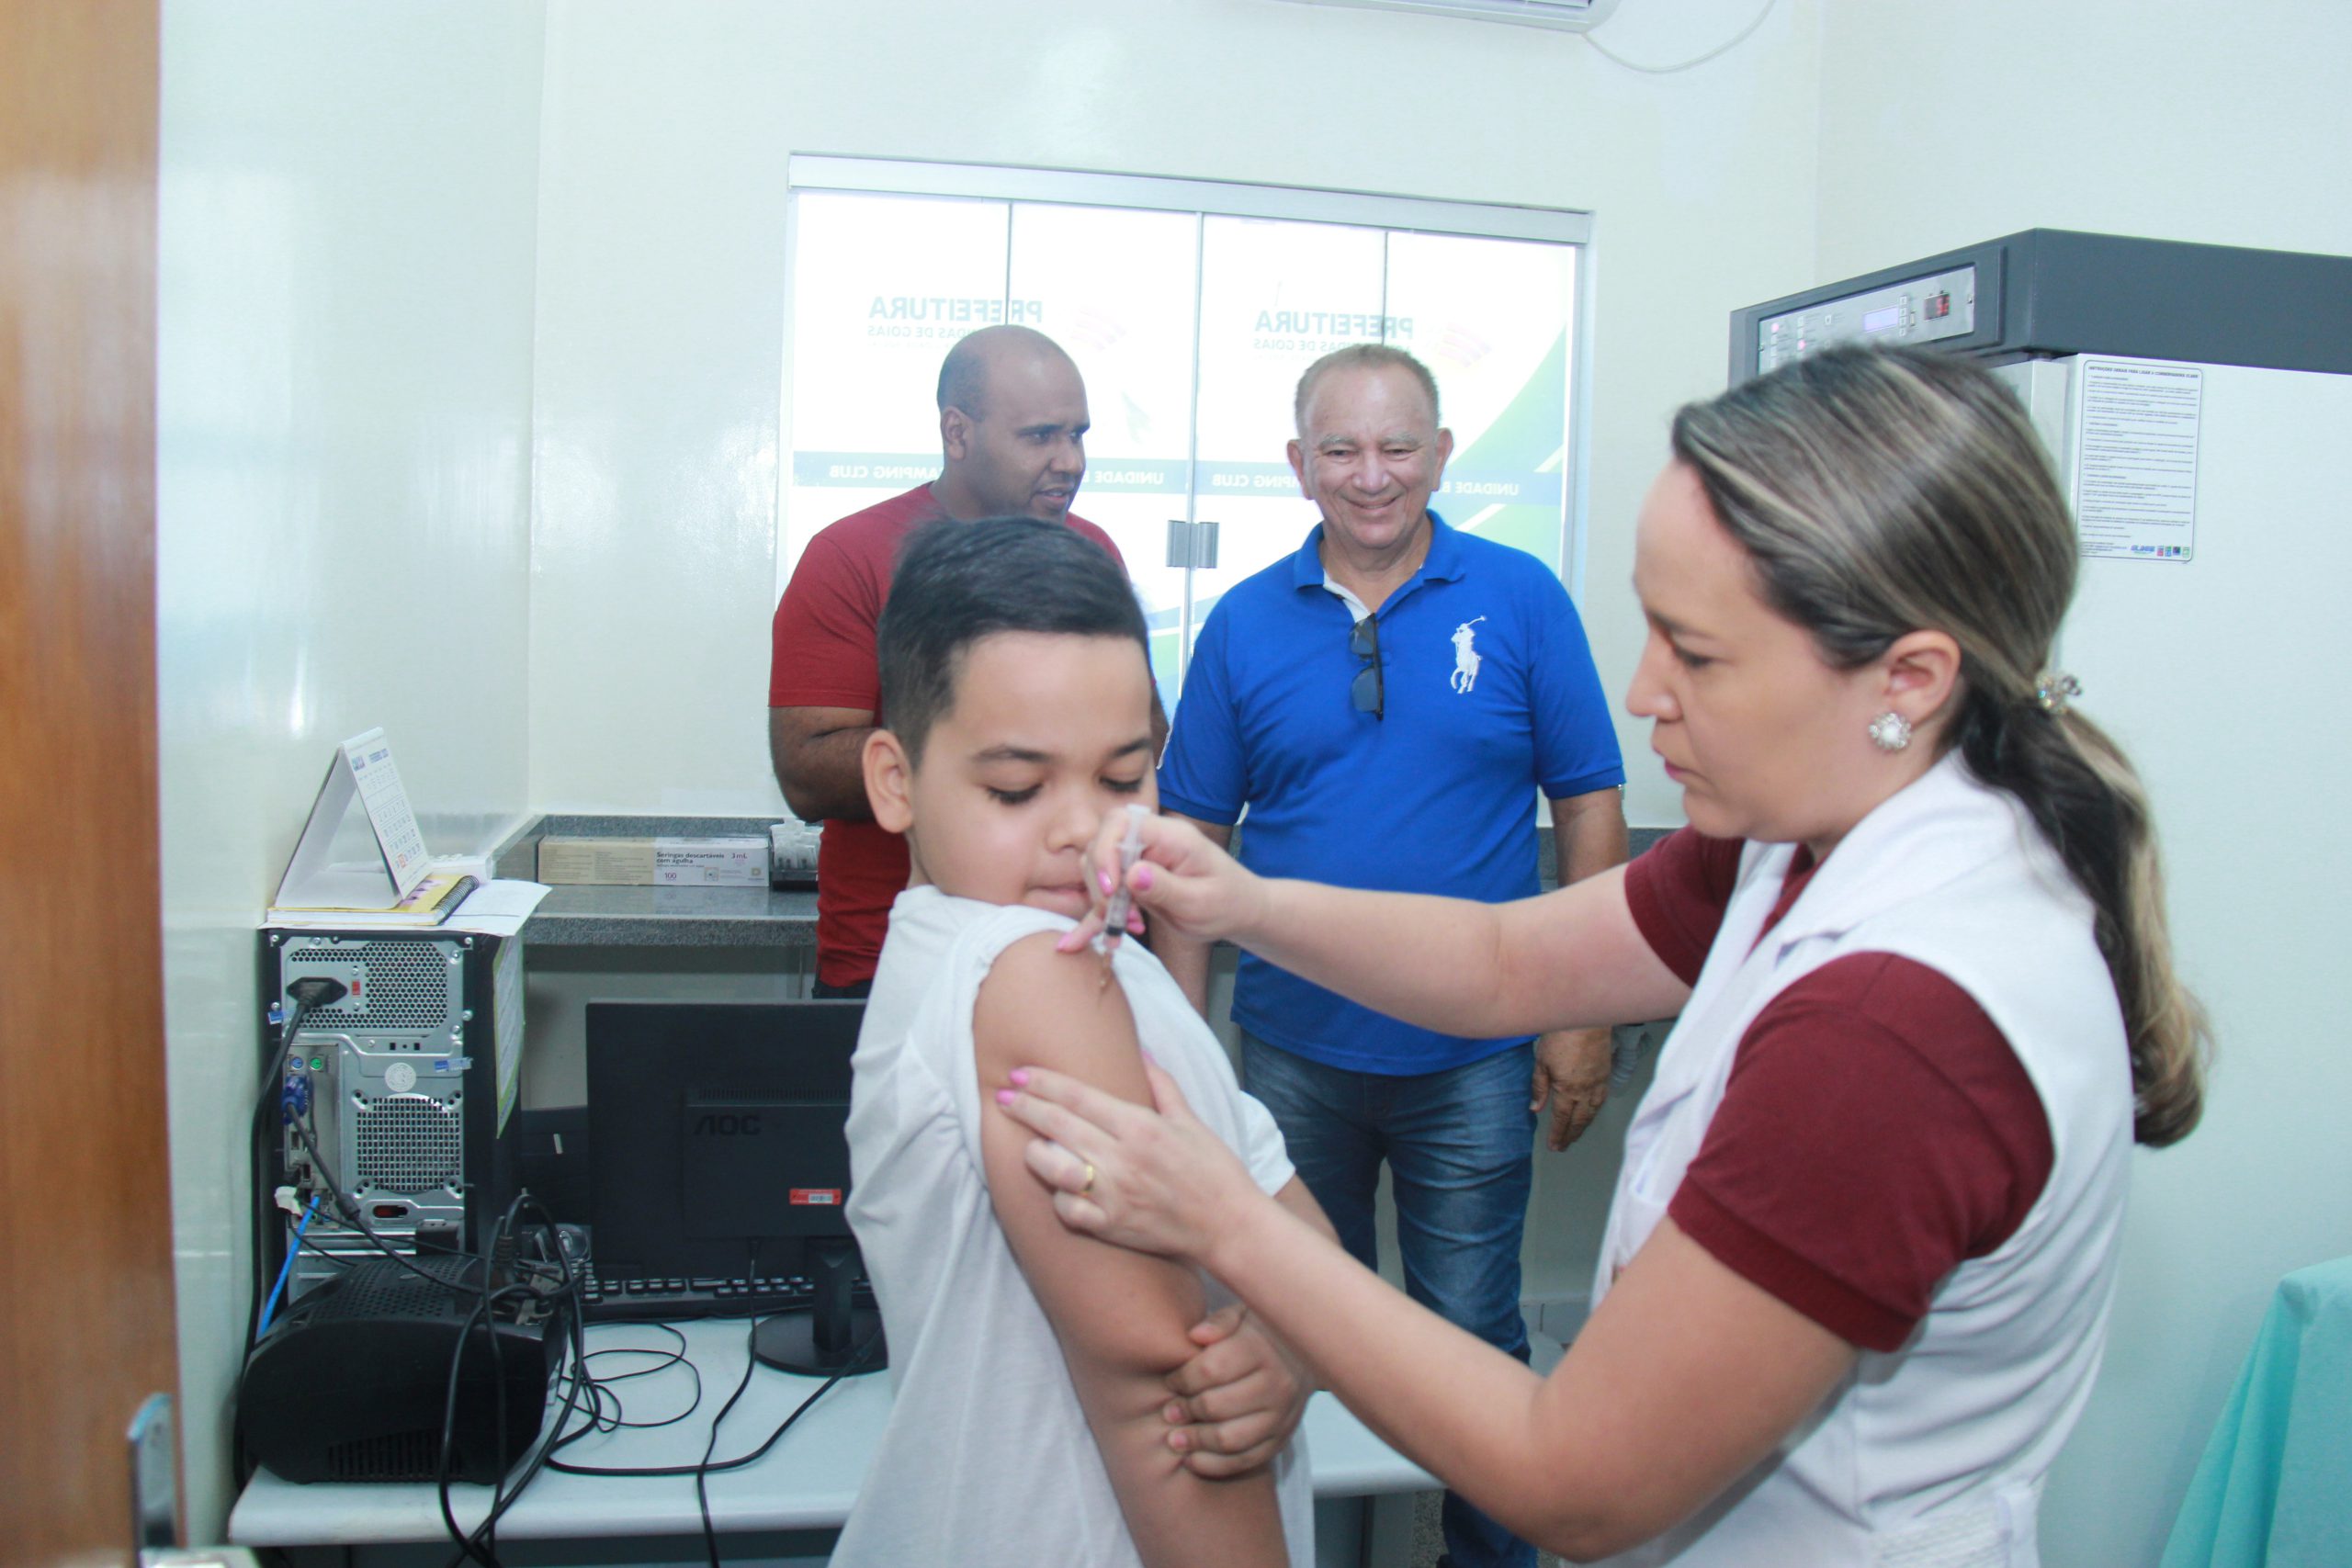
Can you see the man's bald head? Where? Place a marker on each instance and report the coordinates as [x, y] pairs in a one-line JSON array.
[[964, 373], [1011, 426]]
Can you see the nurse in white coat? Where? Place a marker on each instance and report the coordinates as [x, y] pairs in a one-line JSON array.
[[1856, 1277]]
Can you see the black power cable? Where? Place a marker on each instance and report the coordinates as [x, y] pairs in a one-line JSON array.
[[309, 993], [662, 1471], [564, 1291]]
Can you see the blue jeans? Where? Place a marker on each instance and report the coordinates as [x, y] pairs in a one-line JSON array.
[[1460, 1147]]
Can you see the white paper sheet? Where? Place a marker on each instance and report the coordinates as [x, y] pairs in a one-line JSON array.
[[2135, 460], [498, 908]]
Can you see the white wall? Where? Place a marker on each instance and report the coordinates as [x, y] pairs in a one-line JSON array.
[[344, 449], [661, 272], [2173, 121]]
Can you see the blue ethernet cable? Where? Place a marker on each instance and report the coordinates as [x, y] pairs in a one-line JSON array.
[[293, 1251]]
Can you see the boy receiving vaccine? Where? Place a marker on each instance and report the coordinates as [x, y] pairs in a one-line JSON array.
[[1031, 1418]]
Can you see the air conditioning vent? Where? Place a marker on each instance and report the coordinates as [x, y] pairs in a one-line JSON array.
[[1574, 16]]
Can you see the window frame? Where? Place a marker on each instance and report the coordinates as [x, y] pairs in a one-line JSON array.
[[1427, 215]]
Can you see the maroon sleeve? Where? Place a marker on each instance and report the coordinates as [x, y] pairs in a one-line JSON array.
[[824, 635], [1095, 533], [1876, 1131], [1678, 889]]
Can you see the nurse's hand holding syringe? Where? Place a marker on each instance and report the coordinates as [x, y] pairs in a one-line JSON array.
[[1453, 964], [1163, 863]]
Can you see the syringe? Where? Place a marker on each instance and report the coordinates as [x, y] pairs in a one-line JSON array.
[[1115, 913]]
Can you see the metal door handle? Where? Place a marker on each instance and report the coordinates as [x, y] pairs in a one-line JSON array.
[[1192, 544]]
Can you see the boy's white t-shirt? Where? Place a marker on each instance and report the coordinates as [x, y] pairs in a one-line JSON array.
[[987, 1457]]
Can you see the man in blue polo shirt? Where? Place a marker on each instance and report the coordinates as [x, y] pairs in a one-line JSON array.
[[1384, 704]]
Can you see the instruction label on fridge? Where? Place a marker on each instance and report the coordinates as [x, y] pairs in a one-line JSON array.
[[2135, 464]]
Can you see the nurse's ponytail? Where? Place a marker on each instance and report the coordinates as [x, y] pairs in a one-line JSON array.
[[1882, 491], [2082, 793]]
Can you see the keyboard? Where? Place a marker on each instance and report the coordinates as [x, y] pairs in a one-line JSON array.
[[642, 1301]]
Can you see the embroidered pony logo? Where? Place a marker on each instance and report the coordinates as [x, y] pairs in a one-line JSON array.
[[1465, 658]]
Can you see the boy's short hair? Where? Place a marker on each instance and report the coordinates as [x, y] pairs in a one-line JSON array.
[[957, 583]]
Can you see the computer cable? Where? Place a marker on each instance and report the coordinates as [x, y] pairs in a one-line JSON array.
[[607, 1411], [578, 1381], [707, 1467], [334, 1260], [479, 1544], [346, 1209], [497, 1282], [603, 1420], [710, 1444], [293, 1249], [710, 1447], [662, 1472], [309, 993], [600, 1387]]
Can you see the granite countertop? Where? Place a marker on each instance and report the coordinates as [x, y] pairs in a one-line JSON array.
[[673, 917], [598, 916]]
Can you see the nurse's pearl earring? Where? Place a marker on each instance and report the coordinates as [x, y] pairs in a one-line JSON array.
[[1890, 731]]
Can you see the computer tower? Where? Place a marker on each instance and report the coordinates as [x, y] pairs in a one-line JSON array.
[[391, 1102]]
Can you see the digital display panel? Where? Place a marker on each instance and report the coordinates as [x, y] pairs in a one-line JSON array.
[[1883, 321]]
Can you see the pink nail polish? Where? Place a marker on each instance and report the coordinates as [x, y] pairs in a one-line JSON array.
[[1069, 941], [1019, 1075], [1103, 879], [1006, 1097], [1143, 878]]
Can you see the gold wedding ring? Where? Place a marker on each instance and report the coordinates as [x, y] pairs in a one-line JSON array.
[[1086, 1188]]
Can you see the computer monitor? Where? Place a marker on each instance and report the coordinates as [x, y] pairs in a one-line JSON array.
[[718, 1132]]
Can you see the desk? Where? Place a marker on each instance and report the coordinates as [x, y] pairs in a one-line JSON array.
[[781, 1509], [2272, 1488]]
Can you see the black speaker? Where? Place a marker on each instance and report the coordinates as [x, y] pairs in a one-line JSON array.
[[351, 1385]]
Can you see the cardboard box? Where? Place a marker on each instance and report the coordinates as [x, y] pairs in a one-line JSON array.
[[655, 862]]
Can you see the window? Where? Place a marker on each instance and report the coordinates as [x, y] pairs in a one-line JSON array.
[[1191, 308]]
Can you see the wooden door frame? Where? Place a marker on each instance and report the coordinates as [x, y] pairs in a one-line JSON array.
[[85, 1239]]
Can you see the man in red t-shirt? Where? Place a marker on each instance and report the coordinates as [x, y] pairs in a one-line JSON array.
[[1013, 431]]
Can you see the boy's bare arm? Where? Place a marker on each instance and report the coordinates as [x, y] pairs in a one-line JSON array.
[[1237, 1401], [1121, 1317]]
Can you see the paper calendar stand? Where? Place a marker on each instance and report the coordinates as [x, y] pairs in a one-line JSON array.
[[363, 767]]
